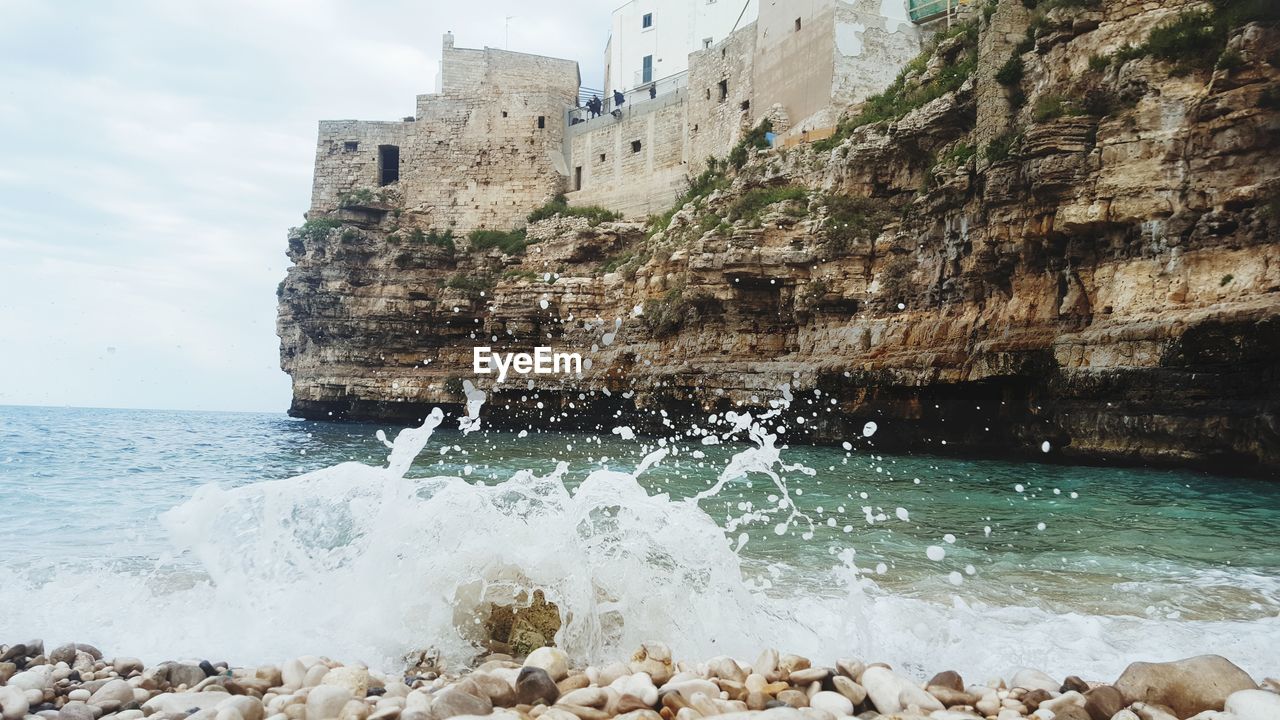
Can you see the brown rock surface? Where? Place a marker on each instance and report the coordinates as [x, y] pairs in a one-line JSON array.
[[1186, 687]]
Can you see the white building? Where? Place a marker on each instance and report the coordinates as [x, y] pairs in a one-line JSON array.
[[651, 39]]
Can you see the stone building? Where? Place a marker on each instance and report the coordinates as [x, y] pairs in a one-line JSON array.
[[505, 134], [479, 154]]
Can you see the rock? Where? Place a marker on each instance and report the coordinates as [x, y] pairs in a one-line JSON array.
[[891, 693], [125, 666], [227, 714], [767, 664], [640, 686], [76, 711], [1253, 705], [1033, 699], [850, 689], [1103, 702], [67, 653], [353, 678], [1056, 705], [37, 678], [1187, 686], [575, 681], [1034, 680], [113, 695], [790, 663], [949, 679], [449, 703], [79, 695], [639, 715], [325, 702], [832, 702], [246, 707], [585, 697], [794, 698], [177, 674], [727, 668], [13, 703], [688, 688], [851, 669], [1074, 683], [292, 673], [809, 675], [551, 659], [17, 651], [1071, 712], [500, 692], [1147, 711], [7, 670], [534, 686], [354, 710]]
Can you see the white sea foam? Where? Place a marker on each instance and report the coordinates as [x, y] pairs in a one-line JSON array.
[[363, 563]]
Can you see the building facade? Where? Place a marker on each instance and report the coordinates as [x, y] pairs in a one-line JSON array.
[[650, 40]]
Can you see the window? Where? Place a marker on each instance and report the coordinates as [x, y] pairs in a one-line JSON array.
[[504, 113], [724, 90], [635, 146], [708, 93], [601, 157], [542, 122], [746, 105], [706, 43], [350, 146], [646, 21], [797, 24], [647, 73], [577, 178], [388, 164]]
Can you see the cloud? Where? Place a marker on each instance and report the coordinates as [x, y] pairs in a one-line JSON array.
[[158, 151]]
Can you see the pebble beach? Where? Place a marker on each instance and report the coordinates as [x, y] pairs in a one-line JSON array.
[[78, 682]]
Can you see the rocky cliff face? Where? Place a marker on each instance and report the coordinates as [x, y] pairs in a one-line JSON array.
[[1054, 228]]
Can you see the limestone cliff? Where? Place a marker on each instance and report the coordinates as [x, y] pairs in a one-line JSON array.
[[1054, 227]]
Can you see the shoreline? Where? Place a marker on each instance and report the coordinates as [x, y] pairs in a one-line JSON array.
[[78, 682]]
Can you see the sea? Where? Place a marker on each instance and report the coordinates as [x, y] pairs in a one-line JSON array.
[[254, 537]]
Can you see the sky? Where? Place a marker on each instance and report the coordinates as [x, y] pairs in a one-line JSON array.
[[155, 154]]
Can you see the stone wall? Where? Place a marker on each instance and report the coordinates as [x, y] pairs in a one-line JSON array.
[[870, 49], [1006, 28], [716, 122], [616, 173], [480, 153]]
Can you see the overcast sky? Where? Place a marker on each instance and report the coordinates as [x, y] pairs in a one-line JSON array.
[[155, 153]]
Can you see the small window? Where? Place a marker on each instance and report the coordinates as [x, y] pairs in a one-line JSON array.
[[746, 105], [351, 146], [388, 164], [708, 93], [695, 127], [723, 52], [577, 178], [647, 20], [504, 113], [601, 157], [635, 146], [797, 24], [724, 90], [706, 43], [647, 72], [542, 122]]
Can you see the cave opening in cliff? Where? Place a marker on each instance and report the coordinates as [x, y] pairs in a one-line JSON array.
[[388, 164]]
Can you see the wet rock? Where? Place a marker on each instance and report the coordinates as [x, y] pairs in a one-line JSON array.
[[575, 681], [500, 692], [534, 686], [325, 702], [794, 698], [449, 703], [17, 651], [67, 653], [1253, 705], [1103, 702], [585, 697], [1073, 682], [125, 666], [1147, 711], [891, 693], [832, 702], [1186, 687], [354, 679], [551, 659], [1034, 680], [113, 695], [1033, 699], [13, 703], [949, 679], [177, 674]]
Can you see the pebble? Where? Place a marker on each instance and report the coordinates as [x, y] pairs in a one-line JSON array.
[[13, 703], [891, 693], [534, 686], [551, 659], [354, 679], [1253, 705], [832, 702], [1034, 680], [325, 702], [450, 702]]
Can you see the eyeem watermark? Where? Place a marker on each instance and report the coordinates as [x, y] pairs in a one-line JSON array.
[[542, 361]]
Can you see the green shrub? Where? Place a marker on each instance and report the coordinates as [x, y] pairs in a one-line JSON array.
[[560, 206], [1226, 279], [355, 198], [443, 240], [473, 284], [754, 140], [1052, 107], [753, 202], [707, 182], [510, 242], [1011, 72], [1002, 147], [853, 220], [958, 155], [1197, 39], [318, 228]]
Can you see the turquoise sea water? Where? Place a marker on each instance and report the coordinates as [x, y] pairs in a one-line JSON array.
[[1120, 564]]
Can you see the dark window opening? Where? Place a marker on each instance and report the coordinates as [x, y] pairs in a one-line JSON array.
[[647, 20], [577, 178], [388, 164], [647, 72], [746, 105], [695, 127], [351, 146], [724, 90], [797, 24], [601, 157], [635, 146], [542, 121], [504, 113], [708, 93], [706, 43], [723, 51]]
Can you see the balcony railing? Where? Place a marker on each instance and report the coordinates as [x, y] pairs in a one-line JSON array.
[[633, 97], [923, 11]]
